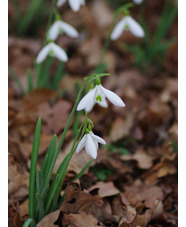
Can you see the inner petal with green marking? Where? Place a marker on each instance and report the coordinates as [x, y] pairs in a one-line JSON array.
[[99, 98]]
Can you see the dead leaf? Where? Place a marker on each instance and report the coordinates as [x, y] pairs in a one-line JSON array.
[[49, 220], [104, 189], [81, 219], [144, 160], [77, 200]]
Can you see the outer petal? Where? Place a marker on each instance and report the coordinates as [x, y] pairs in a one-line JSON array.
[[114, 99], [82, 2], [81, 144], [85, 101], [43, 54], [138, 1], [90, 105], [97, 138], [119, 28], [60, 2], [134, 27], [90, 147], [68, 29], [54, 31], [59, 52], [75, 4]]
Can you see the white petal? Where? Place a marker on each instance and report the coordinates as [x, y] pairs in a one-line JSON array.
[[81, 144], [134, 27], [86, 99], [90, 147], [54, 31], [43, 54], [138, 1], [114, 99], [75, 4], [97, 138], [59, 52], [103, 103], [119, 28], [69, 30], [90, 105], [60, 2], [82, 2]]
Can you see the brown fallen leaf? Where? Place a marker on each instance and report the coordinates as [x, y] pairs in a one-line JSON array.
[[104, 189], [144, 161], [79, 220], [18, 178], [48, 220], [77, 200]]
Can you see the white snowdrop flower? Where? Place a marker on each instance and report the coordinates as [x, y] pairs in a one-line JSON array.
[[137, 1], [74, 4], [90, 142], [127, 23], [61, 27], [99, 95], [53, 50]]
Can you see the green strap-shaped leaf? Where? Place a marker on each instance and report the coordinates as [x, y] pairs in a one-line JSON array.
[[33, 166]]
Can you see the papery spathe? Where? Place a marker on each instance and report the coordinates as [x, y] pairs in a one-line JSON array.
[[127, 23], [53, 50], [74, 4], [90, 142], [99, 95], [60, 26]]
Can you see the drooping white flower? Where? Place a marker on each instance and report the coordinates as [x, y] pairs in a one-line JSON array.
[[99, 95], [74, 4], [53, 50], [60, 26], [127, 23], [138, 1], [90, 142]]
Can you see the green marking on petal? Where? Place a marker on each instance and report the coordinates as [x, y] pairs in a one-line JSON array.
[[60, 30], [126, 26], [51, 52], [99, 98]]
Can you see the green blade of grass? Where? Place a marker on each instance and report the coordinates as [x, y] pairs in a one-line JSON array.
[[33, 166], [46, 72], [15, 78]]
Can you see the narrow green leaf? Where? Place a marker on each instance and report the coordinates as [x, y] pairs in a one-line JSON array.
[[45, 82], [58, 76], [29, 81], [28, 222], [41, 206], [39, 181], [83, 170], [33, 166], [15, 78]]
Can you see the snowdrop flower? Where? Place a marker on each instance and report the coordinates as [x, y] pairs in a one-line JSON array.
[[60, 27], [127, 23], [74, 4], [53, 50], [138, 1], [99, 95], [90, 142]]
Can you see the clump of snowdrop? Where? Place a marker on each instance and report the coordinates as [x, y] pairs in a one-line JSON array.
[[60, 27], [99, 95], [74, 4], [53, 50], [90, 142], [127, 24]]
